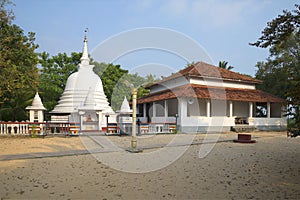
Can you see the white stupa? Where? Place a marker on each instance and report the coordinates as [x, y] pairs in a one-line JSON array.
[[124, 118], [125, 108], [36, 110], [83, 95]]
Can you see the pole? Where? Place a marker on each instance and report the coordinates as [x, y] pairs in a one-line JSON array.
[[107, 116], [176, 118], [133, 138]]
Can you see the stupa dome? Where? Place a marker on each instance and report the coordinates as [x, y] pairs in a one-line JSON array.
[[125, 108], [36, 103], [79, 85]]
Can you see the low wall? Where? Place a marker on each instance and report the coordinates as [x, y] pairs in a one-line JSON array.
[[39, 128], [269, 124], [204, 129]]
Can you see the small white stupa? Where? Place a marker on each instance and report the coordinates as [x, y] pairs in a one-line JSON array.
[[83, 100], [125, 108], [36, 110], [124, 118]]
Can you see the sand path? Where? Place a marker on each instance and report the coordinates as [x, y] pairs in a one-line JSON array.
[[268, 169]]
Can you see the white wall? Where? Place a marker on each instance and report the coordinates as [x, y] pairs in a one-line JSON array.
[[268, 121], [160, 108], [208, 121], [163, 120], [172, 107], [241, 109], [169, 84], [218, 108], [221, 83], [198, 108]]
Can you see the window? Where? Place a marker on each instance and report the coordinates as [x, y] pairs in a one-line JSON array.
[[35, 116], [261, 110]]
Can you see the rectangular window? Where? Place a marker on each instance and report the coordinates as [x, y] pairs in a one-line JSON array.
[[261, 110], [35, 116]]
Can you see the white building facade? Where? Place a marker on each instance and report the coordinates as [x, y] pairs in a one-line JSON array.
[[204, 97]]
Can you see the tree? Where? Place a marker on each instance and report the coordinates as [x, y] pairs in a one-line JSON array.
[[223, 64], [281, 71], [18, 67], [110, 75], [54, 74], [117, 83]]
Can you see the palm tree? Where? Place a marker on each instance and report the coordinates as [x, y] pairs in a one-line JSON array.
[[223, 64]]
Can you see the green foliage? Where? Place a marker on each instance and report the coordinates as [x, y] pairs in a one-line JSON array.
[[54, 74], [223, 64], [6, 16], [117, 83], [281, 71], [110, 75], [18, 70], [279, 29]]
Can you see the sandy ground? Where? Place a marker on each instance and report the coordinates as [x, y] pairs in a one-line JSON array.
[[268, 169]]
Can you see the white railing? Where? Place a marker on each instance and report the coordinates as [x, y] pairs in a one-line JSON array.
[[51, 128], [38, 128], [14, 128]]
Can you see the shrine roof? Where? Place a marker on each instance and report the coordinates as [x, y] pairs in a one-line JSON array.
[[205, 70], [213, 93]]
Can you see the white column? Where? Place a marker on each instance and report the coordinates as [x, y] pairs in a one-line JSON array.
[[99, 120], [81, 123], [268, 110], [208, 114], [154, 109], [230, 108], [144, 110], [182, 110], [40, 116], [31, 115], [250, 109], [166, 108]]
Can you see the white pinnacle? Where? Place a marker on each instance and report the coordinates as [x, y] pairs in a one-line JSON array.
[[85, 60]]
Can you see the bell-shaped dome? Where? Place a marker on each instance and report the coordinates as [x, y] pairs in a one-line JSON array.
[[125, 106], [80, 84], [36, 103]]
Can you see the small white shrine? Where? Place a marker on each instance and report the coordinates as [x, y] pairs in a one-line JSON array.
[[124, 117], [36, 110], [83, 101]]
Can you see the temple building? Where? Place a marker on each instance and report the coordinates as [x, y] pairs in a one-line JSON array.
[[83, 101], [203, 97]]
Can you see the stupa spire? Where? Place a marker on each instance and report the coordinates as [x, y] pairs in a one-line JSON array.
[[85, 60]]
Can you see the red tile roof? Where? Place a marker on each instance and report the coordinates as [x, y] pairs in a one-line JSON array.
[[204, 70], [216, 93]]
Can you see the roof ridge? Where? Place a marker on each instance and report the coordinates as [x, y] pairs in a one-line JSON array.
[[205, 70]]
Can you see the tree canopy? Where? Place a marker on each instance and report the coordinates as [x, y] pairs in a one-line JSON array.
[[281, 70], [55, 71], [223, 64], [18, 67]]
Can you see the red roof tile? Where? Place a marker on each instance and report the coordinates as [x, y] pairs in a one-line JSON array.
[[201, 69], [216, 93]]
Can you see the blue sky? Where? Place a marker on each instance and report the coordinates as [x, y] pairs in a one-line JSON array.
[[223, 28]]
